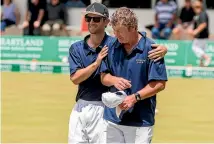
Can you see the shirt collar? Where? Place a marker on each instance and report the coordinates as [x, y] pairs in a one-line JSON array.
[[141, 44], [88, 50]]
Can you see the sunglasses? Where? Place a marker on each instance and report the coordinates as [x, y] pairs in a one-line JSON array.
[[95, 19]]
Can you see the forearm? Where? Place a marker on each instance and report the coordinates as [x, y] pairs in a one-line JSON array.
[[151, 89], [27, 16], [83, 74], [41, 15], [17, 16], [108, 79], [200, 28]]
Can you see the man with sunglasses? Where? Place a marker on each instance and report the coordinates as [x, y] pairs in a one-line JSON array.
[[85, 60]]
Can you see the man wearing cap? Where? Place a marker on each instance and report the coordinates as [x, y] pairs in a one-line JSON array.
[[85, 60], [128, 59]]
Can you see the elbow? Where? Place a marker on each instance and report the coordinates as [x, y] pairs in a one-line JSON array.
[[102, 79], [162, 86], [103, 82], [105, 79], [75, 83], [74, 80]]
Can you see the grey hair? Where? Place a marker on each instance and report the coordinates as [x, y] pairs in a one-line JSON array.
[[124, 16]]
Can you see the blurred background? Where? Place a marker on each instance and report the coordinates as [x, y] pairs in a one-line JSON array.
[[37, 95]]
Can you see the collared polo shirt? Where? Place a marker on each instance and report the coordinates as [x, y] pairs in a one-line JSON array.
[[82, 55], [140, 70]]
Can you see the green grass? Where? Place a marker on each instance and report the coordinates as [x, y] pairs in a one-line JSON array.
[[36, 108]]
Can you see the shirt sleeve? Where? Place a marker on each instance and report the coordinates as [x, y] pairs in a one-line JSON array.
[[74, 60], [157, 70], [203, 18]]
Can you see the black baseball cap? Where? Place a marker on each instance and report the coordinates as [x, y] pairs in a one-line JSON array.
[[98, 9]]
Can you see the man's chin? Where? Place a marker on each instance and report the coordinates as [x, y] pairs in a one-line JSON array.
[[121, 41], [92, 32]]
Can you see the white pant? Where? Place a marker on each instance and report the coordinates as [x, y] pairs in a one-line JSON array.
[[127, 134], [86, 122], [199, 46]]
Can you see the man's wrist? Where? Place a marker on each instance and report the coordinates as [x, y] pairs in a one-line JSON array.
[[134, 98], [95, 64], [137, 97]]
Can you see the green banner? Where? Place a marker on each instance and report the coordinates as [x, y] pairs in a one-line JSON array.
[[39, 48], [55, 49], [177, 54], [192, 59], [180, 53]]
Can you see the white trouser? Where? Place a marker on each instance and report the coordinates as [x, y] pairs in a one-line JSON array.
[[127, 134], [86, 122], [199, 46]]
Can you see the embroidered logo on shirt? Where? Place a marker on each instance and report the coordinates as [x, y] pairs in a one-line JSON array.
[[140, 61]]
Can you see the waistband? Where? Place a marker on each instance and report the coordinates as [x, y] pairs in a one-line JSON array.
[[83, 103]]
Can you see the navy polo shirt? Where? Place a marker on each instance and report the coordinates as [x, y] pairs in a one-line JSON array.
[[140, 70], [82, 55]]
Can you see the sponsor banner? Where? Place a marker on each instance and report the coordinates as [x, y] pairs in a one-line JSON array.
[[56, 49]]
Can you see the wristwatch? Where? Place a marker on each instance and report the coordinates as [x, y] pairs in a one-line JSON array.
[[137, 96]]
